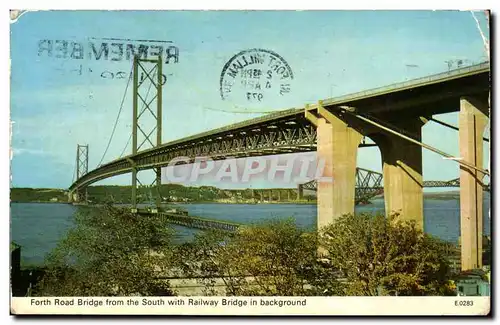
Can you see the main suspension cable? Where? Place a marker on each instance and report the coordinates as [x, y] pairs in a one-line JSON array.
[[130, 136], [117, 118]]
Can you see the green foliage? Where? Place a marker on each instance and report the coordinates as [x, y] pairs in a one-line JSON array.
[[21, 194], [196, 259], [113, 252], [104, 194], [274, 258], [169, 192], [110, 252], [386, 256]]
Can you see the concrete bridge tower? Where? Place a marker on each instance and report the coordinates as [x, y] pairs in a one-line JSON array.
[[339, 134]]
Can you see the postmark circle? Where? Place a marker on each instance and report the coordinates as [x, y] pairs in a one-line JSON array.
[[254, 76]]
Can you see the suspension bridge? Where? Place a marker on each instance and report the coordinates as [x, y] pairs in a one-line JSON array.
[[391, 116]]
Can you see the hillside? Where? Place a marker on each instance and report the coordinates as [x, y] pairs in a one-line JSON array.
[[179, 193], [25, 194], [169, 193]]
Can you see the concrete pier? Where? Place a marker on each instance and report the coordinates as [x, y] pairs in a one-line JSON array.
[[402, 170], [339, 136], [300, 192], [473, 118], [337, 147]]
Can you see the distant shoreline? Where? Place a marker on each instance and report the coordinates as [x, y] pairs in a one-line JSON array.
[[448, 195], [426, 197]]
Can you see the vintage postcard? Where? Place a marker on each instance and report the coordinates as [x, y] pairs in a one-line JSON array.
[[250, 162]]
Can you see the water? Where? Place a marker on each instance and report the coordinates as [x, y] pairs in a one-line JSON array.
[[37, 227]]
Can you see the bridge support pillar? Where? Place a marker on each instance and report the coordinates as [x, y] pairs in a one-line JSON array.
[[337, 146], [402, 168], [300, 192], [75, 197], [473, 117]]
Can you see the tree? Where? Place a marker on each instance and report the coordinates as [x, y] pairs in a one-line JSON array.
[[109, 252], [274, 258], [386, 256]]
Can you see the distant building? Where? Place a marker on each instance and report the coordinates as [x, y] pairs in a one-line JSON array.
[[473, 283]]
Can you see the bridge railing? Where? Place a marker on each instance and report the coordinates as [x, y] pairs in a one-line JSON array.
[[410, 83]]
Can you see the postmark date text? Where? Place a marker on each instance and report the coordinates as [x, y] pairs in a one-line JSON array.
[[254, 96]]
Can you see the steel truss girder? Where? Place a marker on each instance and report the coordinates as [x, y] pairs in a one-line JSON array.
[[452, 183], [286, 137], [369, 184], [264, 142]]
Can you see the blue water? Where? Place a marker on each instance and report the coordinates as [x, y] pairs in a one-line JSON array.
[[37, 227]]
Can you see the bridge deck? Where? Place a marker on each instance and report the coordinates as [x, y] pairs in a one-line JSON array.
[[289, 131]]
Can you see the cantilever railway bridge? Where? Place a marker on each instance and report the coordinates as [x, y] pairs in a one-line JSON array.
[[370, 184]]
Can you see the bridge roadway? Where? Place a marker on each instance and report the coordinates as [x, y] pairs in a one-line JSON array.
[[289, 131]]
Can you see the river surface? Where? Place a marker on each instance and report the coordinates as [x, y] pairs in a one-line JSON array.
[[37, 227]]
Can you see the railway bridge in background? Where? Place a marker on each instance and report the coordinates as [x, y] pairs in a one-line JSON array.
[[391, 116], [370, 184]]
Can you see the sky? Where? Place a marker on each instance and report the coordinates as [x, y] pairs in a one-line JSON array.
[[63, 98]]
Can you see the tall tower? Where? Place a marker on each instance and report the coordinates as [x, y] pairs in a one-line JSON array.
[[82, 167], [82, 160], [146, 121]]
